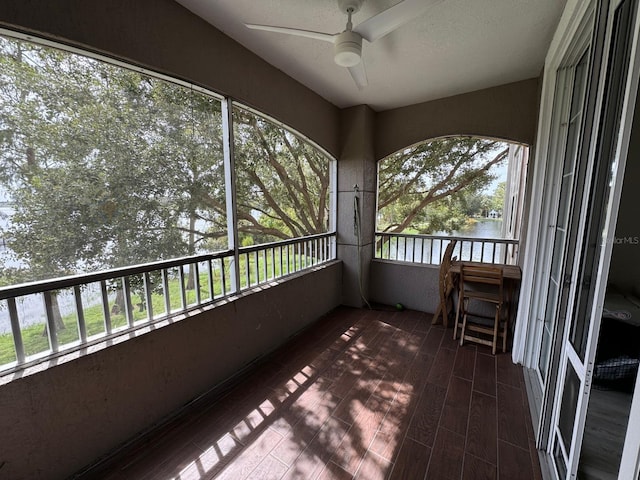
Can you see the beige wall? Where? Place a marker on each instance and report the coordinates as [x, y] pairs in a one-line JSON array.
[[164, 36], [55, 422], [413, 285], [508, 112]]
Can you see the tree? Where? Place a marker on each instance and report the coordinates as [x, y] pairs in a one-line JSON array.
[[107, 167], [412, 184], [282, 181], [497, 199]]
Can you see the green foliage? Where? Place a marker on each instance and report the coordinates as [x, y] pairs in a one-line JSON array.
[[107, 167], [282, 181], [436, 185], [497, 199]]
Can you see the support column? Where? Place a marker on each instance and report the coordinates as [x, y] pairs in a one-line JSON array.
[[356, 166]]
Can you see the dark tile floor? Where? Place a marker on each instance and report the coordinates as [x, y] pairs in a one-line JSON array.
[[362, 394]]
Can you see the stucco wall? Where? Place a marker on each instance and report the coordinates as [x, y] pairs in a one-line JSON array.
[[164, 36], [55, 422], [414, 286], [508, 112]]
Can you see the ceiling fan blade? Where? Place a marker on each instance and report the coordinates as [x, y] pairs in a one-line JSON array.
[[385, 22], [327, 37], [359, 75]]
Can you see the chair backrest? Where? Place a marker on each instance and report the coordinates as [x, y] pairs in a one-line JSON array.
[[445, 265], [485, 278]]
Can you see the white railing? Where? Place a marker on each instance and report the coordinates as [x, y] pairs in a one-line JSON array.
[[428, 249], [43, 319]]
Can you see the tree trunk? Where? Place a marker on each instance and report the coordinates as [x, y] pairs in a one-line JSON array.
[[118, 304], [55, 313]]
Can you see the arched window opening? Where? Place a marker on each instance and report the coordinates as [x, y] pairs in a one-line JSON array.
[[451, 187]]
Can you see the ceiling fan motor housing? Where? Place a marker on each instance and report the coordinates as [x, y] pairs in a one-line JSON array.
[[349, 5], [348, 49]]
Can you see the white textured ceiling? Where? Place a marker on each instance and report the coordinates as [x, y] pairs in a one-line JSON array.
[[458, 46]]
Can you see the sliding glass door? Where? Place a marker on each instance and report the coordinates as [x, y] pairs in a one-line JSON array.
[[590, 242]]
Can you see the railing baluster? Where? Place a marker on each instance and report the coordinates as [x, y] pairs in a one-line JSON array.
[[413, 250], [305, 253], [106, 311], [165, 290], [182, 290], [247, 269], [287, 257], [196, 273], [51, 323], [431, 251], [148, 287], [210, 280], [15, 330], [273, 263], [128, 307], [223, 277], [82, 326], [314, 252], [257, 265]]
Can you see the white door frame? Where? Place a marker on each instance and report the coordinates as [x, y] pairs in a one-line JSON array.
[[584, 370]]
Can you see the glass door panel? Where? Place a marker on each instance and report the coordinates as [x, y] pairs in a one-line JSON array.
[[583, 319], [571, 125]]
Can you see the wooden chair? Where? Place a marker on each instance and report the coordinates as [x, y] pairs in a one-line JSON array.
[[481, 286], [445, 286]]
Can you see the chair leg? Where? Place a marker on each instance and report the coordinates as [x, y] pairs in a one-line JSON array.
[[455, 324], [464, 327]]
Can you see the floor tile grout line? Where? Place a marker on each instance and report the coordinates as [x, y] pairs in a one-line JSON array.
[[413, 414], [466, 434], [410, 335], [426, 473], [415, 359]]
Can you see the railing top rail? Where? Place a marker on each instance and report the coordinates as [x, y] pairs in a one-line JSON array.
[[82, 278], [449, 237], [280, 243]]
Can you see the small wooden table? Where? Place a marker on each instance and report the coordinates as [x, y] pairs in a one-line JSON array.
[[511, 273]]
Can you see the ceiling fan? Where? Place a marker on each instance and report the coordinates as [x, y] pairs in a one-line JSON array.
[[348, 44]]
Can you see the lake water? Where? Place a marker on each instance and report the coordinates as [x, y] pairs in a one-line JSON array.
[[430, 250]]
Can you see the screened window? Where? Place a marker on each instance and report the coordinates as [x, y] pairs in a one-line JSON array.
[[447, 186], [282, 182], [102, 166]]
